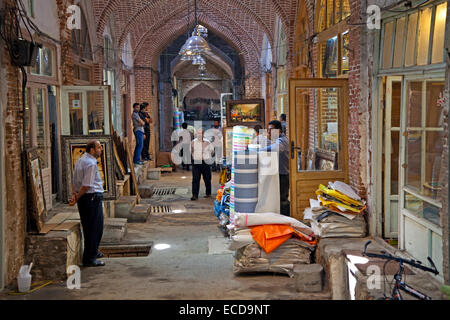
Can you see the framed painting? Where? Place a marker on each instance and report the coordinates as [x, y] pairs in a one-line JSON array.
[[73, 148], [248, 112], [39, 209]]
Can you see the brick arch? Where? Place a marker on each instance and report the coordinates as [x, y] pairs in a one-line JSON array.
[[254, 10], [195, 84], [150, 49]]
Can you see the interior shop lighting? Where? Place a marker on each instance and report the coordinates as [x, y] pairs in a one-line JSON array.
[[196, 44]]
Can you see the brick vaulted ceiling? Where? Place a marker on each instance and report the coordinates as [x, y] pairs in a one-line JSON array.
[[154, 24]]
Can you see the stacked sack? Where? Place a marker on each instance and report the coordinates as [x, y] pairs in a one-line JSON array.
[[269, 242], [337, 212]]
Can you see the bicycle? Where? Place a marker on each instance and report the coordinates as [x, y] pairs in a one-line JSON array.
[[399, 284]]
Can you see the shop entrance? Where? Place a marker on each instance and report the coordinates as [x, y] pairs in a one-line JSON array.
[[318, 137], [85, 110]]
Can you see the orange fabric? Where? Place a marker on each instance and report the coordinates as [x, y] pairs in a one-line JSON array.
[[271, 236], [219, 194]]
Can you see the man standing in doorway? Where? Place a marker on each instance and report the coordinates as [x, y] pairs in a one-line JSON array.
[[138, 128], [280, 144], [145, 116], [88, 191], [201, 154]]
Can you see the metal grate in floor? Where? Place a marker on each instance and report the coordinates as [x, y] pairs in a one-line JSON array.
[[163, 191], [160, 209]]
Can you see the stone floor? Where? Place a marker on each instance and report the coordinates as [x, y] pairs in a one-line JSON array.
[[188, 267], [185, 270]]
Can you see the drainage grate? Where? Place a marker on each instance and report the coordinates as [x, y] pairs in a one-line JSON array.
[[163, 191], [126, 250], [160, 209]]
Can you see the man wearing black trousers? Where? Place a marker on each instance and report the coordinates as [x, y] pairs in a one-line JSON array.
[[88, 194], [201, 155], [148, 120]]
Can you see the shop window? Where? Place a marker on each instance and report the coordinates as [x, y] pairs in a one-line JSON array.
[[82, 73], [424, 146], [30, 8], [334, 56], [35, 122], [425, 29], [424, 36], [439, 32], [331, 12], [108, 51], [81, 42], [330, 67], [44, 65]]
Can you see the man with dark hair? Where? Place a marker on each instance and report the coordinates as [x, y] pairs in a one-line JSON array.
[[280, 144], [200, 167], [87, 192], [259, 138], [145, 116], [138, 129], [283, 122]]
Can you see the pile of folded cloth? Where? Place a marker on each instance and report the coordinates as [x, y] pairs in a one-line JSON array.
[[269, 242], [337, 212]]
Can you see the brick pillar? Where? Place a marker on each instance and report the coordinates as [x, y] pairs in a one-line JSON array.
[[253, 87], [66, 43]]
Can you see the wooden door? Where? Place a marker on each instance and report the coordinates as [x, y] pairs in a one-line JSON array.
[[318, 111]]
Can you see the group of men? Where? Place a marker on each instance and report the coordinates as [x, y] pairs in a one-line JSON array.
[[201, 154], [87, 187], [141, 128]]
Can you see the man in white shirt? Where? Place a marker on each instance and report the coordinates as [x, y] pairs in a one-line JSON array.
[[88, 194], [201, 150]]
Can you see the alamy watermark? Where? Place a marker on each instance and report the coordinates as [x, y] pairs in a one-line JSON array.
[[74, 278]]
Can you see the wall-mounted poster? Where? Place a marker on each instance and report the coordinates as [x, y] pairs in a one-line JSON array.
[[245, 112], [39, 210], [74, 147]]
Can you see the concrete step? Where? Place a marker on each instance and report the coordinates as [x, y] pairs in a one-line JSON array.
[[139, 213], [114, 230], [154, 173], [145, 190], [123, 206]]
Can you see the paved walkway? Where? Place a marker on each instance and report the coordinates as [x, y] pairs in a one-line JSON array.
[[184, 269]]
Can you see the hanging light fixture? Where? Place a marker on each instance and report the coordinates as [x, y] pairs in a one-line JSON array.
[[195, 45], [198, 60]]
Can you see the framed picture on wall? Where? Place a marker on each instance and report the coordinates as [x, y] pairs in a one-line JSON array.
[[73, 148], [38, 205], [248, 112]]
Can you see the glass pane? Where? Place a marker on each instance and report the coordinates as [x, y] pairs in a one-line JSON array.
[[345, 9], [345, 47], [439, 32], [322, 17], [337, 11], [95, 109], [395, 140], [322, 148], [435, 104], [424, 36], [433, 159], [330, 14], [47, 62], [36, 69], [76, 113], [414, 159], [411, 40], [395, 103], [41, 131], [387, 44], [329, 69], [414, 105], [399, 37], [422, 209]]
